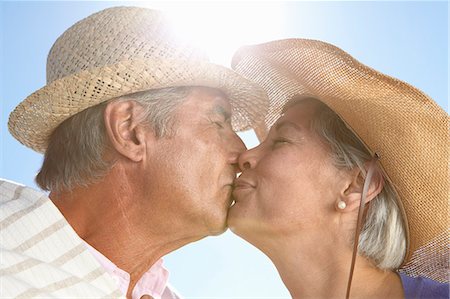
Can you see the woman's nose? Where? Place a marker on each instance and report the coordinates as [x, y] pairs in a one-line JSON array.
[[248, 159]]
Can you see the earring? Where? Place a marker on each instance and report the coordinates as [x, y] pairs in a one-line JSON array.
[[342, 205]]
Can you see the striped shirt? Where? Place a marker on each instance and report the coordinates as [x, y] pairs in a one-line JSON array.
[[41, 254]]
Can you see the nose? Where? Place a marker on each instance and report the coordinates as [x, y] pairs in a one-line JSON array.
[[248, 159], [237, 147]]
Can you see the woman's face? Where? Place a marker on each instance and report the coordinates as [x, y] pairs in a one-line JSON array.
[[289, 183]]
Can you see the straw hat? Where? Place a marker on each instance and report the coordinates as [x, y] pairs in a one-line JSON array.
[[405, 127], [119, 51]]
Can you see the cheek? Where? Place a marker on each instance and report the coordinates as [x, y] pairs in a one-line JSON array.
[[291, 192], [178, 169], [284, 177], [279, 207], [202, 171]]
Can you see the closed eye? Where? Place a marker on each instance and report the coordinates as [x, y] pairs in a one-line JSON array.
[[222, 124], [279, 141]]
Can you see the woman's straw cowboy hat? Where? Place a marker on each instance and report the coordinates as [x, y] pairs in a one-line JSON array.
[[405, 127], [120, 51]]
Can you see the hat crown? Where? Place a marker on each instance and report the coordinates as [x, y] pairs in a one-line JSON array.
[[113, 35]]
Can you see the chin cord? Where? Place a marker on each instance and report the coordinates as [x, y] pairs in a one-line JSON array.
[[360, 220]]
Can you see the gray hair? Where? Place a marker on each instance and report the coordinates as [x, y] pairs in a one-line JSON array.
[[383, 237], [76, 148]]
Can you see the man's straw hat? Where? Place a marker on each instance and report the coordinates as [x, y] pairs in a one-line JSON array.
[[405, 127], [120, 51]]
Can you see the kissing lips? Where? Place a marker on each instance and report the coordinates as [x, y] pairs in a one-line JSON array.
[[240, 186], [240, 183]]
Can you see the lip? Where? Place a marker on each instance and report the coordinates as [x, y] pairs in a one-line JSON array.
[[241, 183]]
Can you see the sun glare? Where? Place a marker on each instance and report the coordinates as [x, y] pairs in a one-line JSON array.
[[220, 28]]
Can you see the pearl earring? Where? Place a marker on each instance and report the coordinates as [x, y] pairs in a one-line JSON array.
[[342, 205]]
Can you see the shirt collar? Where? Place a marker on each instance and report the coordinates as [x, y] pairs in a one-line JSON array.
[[152, 283]]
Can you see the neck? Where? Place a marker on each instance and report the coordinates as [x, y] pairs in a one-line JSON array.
[[109, 216], [312, 271]]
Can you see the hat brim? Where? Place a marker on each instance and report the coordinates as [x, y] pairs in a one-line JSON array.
[[34, 119], [405, 127]]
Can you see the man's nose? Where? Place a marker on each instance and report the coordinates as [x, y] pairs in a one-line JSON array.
[[237, 148]]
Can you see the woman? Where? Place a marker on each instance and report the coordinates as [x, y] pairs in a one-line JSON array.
[[351, 154]]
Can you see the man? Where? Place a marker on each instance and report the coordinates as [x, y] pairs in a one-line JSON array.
[[140, 158]]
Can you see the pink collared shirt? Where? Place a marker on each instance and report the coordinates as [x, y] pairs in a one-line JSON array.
[[153, 282]]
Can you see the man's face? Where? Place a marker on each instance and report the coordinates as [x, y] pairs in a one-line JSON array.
[[193, 168]]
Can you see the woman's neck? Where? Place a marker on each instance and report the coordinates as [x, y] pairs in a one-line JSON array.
[[313, 267]]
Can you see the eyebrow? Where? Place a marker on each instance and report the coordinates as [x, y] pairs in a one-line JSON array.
[[220, 110], [287, 123]]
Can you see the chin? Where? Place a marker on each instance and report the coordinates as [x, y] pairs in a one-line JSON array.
[[218, 231], [245, 224], [217, 228], [217, 224]]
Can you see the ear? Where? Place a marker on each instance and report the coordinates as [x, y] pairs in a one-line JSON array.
[[352, 193], [124, 129]]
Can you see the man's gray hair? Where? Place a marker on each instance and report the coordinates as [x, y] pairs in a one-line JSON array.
[[383, 237], [76, 148]]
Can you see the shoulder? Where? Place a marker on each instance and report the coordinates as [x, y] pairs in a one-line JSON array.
[[170, 293], [11, 191], [28, 216], [17, 200], [421, 287], [42, 256]]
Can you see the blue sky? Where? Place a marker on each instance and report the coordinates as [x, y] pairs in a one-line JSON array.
[[407, 40]]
